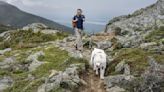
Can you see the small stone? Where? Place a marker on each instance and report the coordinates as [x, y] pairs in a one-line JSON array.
[[120, 66]]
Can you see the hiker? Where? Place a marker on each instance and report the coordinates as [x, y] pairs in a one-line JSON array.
[[77, 23], [98, 61]]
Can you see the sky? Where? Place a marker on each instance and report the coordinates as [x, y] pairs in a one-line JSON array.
[[96, 11]]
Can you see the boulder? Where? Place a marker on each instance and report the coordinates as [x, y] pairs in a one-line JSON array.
[[35, 26], [104, 44]]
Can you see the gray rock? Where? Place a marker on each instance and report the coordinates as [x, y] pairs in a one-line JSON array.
[[68, 79], [123, 67], [146, 45], [4, 51], [115, 89], [151, 80], [70, 38], [47, 31], [120, 66], [112, 81], [126, 69], [34, 60], [5, 82], [104, 44], [7, 63], [35, 27]]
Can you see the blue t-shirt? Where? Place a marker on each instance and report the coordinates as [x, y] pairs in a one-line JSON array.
[[80, 21]]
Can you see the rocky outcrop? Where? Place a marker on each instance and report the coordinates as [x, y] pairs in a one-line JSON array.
[[151, 80], [142, 19], [134, 27], [34, 60], [35, 26], [68, 80], [68, 44], [39, 27], [113, 82]]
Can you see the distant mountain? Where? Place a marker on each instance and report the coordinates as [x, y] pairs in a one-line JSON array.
[[11, 15]]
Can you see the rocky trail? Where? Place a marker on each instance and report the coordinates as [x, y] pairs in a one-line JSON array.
[[94, 83]]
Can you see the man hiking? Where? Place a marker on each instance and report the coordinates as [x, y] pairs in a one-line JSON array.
[[77, 23]]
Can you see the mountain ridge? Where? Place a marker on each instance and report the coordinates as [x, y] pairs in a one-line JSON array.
[[13, 16], [141, 19]]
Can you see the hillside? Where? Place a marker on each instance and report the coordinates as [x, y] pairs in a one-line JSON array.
[[144, 19], [11, 15], [36, 58]]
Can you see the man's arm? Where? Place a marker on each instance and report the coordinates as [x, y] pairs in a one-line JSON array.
[[74, 19], [83, 18]]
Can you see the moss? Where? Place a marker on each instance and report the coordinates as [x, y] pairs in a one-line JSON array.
[[2, 58], [136, 58]]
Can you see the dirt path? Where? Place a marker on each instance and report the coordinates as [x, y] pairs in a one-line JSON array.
[[94, 83]]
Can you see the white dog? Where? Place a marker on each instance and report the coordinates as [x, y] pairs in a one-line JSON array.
[[98, 61]]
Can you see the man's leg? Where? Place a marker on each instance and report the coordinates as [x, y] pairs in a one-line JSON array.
[[75, 29], [79, 40]]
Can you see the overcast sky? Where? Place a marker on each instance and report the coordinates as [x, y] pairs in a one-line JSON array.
[[94, 10]]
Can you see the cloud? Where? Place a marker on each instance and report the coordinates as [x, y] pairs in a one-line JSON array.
[[11, 1]]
